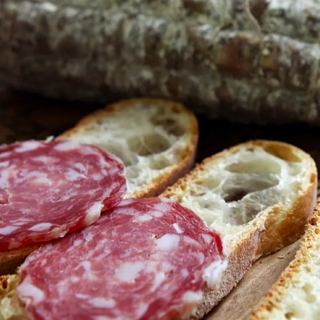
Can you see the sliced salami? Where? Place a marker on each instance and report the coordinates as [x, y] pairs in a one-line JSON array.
[[50, 189], [148, 259]]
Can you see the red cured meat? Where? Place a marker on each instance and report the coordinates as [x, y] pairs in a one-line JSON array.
[[148, 259], [50, 189]]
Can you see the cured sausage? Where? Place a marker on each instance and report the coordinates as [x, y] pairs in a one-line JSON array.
[[147, 259], [50, 189], [243, 60]]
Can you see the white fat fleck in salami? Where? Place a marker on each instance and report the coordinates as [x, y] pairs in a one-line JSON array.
[[36, 295], [48, 189], [102, 302], [41, 226], [177, 228], [43, 180], [144, 217], [8, 229], [93, 213], [28, 146], [206, 237], [4, 176], [4, 154], [4, 164], [157, 214], [68, 145], [81, 167], [44, 159], [125, 267], [214, 271], [97, 177], [74, 175], [129, 271], [168, 241], [193, 296]]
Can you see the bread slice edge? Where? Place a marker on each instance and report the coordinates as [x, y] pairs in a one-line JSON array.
[[270, 306]]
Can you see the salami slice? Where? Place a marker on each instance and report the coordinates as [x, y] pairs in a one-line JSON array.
[[148, 259], [50, 189]]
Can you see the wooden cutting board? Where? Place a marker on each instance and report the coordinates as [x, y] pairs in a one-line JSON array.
[[25, 117]]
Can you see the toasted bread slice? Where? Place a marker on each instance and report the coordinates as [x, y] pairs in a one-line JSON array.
[[295, 295], [156, 140], [248, 193], [254, 186]]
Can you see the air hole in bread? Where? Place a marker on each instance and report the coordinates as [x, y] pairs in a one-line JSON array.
[[128, 158], [206, 205], [132, 172], [149, 144], [209, 183], [269, 307], [307, 288], [171, 126], [289, 315], [258, 166], [210, 204], [4, 283], [197, 193], [236, 188], [313, 178], [283, 152], [235, 195], [159, 164], [313, 221]]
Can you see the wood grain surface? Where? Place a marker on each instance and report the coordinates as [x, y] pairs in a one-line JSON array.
[[255, 284], [29, 117]]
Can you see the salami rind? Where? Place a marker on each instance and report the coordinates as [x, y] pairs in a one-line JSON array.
[[50, 189], [147, 259]]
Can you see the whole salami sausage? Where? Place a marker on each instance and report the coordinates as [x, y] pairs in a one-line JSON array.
[[260, 58], [50, 189], [147, 259]]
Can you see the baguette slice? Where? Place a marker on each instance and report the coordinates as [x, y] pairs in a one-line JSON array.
[[156, 140], [241, 191], [249, 193], [295, 295]]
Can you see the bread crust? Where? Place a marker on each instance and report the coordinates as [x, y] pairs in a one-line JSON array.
[[291, 274]]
